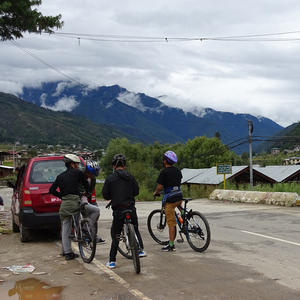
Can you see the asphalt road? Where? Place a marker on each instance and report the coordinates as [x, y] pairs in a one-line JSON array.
[[253, 255]]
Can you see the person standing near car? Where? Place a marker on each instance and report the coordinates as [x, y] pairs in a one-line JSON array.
[[121, 187], [93, 211], [68, 183], [169, 180]]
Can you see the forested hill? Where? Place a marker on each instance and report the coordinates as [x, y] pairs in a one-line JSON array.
[[28, 123], [286, 138]]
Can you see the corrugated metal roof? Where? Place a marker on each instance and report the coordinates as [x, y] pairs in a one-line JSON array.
[[210, 176], [279, 173], [207, 176], [188, 174]]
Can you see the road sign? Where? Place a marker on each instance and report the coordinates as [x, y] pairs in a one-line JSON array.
[[224, 169]]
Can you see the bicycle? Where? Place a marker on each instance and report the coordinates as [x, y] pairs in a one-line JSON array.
[[83, 231], [128, 242], [192, 224]]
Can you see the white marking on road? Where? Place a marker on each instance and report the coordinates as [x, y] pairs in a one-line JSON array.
[[120, 280], [271, 238], [116, 277]]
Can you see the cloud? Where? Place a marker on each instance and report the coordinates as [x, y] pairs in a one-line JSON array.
[[132, 99], [61, 86], [63, 104], [256, 75]]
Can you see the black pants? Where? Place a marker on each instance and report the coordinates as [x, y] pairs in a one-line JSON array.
[[117, 226]]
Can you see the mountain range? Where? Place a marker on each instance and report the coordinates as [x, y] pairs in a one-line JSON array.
[[27, 123], [146, 118]]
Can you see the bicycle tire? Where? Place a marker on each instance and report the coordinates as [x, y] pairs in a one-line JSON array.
[[134, 248], [197, 231], [87, 244], [124, 247], [160, 234]]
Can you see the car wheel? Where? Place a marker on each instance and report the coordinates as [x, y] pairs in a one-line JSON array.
[[14, 226], [25, 234]]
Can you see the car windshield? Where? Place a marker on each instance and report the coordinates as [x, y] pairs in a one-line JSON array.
[[46, 171]]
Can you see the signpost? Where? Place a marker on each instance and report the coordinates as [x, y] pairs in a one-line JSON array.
[[224, 169]]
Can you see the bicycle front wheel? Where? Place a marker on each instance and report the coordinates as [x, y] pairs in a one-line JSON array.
[[198, 231], [134, 248], [158, 228], [87, 240]]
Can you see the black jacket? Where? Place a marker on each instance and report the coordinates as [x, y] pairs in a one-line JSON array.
[[68, 183], [121, 187]]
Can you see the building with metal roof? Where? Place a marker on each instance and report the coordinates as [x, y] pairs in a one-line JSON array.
[[241, 174]]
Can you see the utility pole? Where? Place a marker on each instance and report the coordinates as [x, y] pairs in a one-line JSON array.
[[250, 126], [14, 165]]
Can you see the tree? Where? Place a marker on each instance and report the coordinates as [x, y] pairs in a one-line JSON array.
[[17, 16]]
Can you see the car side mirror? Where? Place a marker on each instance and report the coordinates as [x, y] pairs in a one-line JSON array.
[[10, 184]]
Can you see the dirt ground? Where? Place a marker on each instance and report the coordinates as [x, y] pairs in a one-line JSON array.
[[53, 277]]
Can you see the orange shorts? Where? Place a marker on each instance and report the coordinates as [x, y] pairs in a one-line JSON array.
[[170, 213]]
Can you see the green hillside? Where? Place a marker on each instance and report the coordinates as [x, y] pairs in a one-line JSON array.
[[27, 123], [286, 138]]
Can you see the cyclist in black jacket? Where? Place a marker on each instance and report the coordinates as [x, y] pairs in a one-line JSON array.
[[121, 187], [68, 184]]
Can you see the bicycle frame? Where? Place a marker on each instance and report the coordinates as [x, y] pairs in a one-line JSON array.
[[184, 217]]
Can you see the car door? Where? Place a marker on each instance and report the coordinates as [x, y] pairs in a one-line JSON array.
[[16, 202]]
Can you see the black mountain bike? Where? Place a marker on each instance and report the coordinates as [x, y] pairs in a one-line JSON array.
[[192, 224], [128, 243], [83, 232]]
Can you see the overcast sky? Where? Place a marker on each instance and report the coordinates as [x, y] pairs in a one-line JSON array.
[[179, 51]]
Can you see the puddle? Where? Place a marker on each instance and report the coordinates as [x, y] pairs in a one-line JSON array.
[[29, 288]]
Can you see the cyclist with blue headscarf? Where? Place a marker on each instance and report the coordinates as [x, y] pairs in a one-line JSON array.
[[92, 210], [169, 180]]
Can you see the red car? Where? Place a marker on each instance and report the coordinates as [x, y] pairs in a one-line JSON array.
[[32, 206]]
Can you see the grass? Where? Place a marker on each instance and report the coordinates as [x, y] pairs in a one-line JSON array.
[[203, 191]]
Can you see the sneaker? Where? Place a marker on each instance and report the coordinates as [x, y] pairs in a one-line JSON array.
[[70, 256], [100, 241], [142, 253], [111, 264], [168, 248]]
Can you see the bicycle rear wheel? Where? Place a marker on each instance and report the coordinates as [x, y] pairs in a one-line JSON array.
[[158, 228], [87, 240], [134, 248], [198, 231], [124, 247]]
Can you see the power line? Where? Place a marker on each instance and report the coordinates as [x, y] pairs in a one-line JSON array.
[[46, 64], [266, 37]]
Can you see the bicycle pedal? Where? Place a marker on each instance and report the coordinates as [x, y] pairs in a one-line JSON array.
[[180, 241]]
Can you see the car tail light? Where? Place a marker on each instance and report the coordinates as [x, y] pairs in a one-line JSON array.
[[93, 197], [26, 197]]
